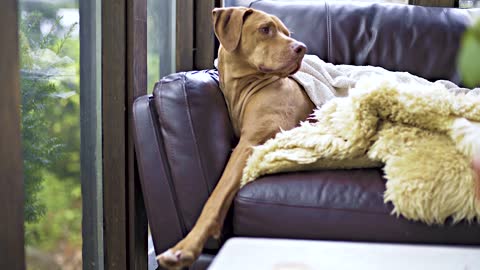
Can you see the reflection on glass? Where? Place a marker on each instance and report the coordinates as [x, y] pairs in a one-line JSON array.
[[49, 56]]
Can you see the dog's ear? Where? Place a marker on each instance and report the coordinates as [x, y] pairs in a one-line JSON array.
[[228, 23]]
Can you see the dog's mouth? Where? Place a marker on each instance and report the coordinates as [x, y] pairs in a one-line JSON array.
[[296, 68], [288, 69]]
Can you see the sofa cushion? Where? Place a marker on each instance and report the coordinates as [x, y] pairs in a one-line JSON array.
[[333, 205]]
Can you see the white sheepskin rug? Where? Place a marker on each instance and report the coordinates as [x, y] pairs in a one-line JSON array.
[[423, 136]]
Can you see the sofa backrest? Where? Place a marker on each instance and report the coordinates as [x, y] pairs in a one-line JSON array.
[[420, 40]]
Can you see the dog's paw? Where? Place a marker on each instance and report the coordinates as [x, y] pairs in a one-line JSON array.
[[176, 258]]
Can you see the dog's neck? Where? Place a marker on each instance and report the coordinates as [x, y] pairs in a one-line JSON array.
[[236, 73]]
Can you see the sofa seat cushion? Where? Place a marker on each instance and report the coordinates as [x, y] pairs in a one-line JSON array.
[[333, 205]]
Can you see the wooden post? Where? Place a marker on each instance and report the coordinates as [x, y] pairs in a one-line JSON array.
[[136, 86], [124, 77], [185, 35], [205, 38], [115, 173], [195, 41], [12, 252]]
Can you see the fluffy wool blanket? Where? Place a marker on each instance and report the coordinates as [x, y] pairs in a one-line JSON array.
[[423, 134]]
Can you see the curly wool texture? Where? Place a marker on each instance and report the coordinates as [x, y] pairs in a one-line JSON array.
[[424, 136]]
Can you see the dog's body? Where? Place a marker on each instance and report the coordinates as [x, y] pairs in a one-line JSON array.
[[255, 58]]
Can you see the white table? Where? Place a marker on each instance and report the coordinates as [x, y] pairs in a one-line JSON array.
[[279, 254]]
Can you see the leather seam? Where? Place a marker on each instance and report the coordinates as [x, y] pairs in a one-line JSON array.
[[181, 218], [195, 141], [252, 201]]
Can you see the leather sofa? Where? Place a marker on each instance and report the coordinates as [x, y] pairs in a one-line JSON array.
[[183, 136]]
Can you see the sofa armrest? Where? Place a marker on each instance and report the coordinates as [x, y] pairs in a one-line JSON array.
[[183, 139], [159, 200]]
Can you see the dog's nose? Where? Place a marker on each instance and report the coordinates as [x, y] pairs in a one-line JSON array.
[[299, 47]]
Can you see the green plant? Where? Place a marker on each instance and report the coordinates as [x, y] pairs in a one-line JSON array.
[[469, 57], [41, 64], [50, 79]]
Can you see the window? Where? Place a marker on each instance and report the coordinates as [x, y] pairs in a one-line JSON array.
[[64, 151], [53, 130], [50, 112]]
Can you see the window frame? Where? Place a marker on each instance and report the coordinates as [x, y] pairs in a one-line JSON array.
[[124, 78], [11, 167], [195, 39], [122, 222], [91, 135]]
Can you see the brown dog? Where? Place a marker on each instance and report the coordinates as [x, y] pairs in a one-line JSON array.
[[255, 58]]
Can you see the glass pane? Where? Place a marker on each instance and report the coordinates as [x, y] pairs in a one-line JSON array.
[[49, 56], [161, 40]]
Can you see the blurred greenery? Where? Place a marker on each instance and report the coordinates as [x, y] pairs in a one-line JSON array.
[[50, 128], [469, 57], [153, 43], [153, 66]]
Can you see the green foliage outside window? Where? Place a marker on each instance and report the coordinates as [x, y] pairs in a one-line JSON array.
[[469, 58], [49, 64]]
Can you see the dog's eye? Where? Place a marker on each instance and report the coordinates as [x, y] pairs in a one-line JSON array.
[[265, 30]]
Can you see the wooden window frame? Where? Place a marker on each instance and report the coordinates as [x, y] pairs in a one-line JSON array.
[[195, 40], [11, 166], [124, 78], [91, 135]]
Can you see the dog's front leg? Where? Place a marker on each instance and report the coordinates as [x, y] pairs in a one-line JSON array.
[[213, 214]]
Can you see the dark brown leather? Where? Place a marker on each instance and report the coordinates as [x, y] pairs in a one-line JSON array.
[[423, 41], [197, 138], [334, 205], [160, 201], [183, 138]]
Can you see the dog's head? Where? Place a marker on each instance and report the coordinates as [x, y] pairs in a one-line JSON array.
[[259, 38]]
